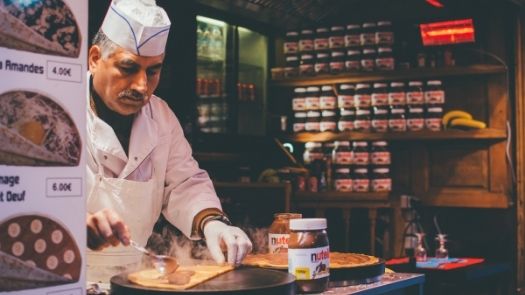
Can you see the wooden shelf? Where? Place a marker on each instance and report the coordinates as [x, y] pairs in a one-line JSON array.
[[340, 196], [480, 134], [415, 73]]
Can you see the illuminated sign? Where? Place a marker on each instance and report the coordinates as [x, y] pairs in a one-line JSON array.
[[447, 32]]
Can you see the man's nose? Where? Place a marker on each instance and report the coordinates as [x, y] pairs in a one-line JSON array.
[[140, 82]]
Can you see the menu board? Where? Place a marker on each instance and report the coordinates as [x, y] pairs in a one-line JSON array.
[[43, 54]]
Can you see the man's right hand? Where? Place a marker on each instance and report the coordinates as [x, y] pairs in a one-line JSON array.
[[105, 228]]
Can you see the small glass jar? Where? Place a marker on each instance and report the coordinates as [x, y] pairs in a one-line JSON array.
[[353, 60], [291, 43], [345, 98], [361, 180], [279, 232], [396, 95], [361, 155], [385, 59], [433, 118], [384, 33], [299, 99], [328, 121], [337, 63], [381, 180], [306, 41], [312, 151], [368, 34], [434, 93], [322, 63], [362, 96], [353, 36], [362, 120], [321, 39], [292, 61], [336, 39], [313, 121], [328, 100], [415, 118], [307, 67], [342, 154], [380, 95], [415, 94], [299, 124], [346, 121], [380, 119], [343, 180], [368, 59], [379, 153], [397, 120], [312, 99]]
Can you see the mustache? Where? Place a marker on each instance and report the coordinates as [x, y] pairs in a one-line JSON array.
[[134, 94]]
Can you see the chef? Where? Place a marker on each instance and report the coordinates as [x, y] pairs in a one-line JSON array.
[[139, 163]]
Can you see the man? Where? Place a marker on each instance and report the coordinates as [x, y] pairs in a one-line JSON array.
[[139, 163]]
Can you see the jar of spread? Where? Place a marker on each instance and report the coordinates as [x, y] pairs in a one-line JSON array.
[[299, 123], [328, 100], [433, 118], [328, 121], [299, 99], [309, 254], [353, 60], [292, 61], [362, 120], [368, 34], [321, 39], [380, 95], [353, 35], [337, 63], [313, 151], [381, 180], [361, 181], [396, 95], [380, 119], [343, 180], [291, 72], [415, 93], [291, 43], [306, 41], [346, 121], [397, 120], [368, 59], [362, 96], [306, 68], [336, 39], [292, 66], [385, 59], [415, 119], [345, 97], [279, 232], [384, 33], [434, 93], [322, 63], [342, 154], [313, 100], [328, 149], [379, 154], [361, 156], [313, 121]]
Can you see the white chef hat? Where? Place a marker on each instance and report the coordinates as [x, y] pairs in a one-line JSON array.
[[139, 26]]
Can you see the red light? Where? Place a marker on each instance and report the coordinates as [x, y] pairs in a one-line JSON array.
[[447, 32], [435, 3]]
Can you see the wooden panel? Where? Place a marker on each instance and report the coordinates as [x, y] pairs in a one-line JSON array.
[[464, 198]]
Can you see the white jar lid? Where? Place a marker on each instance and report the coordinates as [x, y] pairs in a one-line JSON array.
[[415, 110], [312, 89], [328, 114], [300, 115], [380, 143], [353, 26], [311, 144], [397, 84], [398, 111], [346, 112], [292, 34], [346, 86], [321, 30], [384, 23], [380, 111], [337, 28], [415, 83], [382, 170], [308, 224], [337, 53], [369, 25], [343, 170], [360, 143], [351, 52], [434, 82], [362, 86], [327, 88], [380, 85], [299, 90], [342, 143]]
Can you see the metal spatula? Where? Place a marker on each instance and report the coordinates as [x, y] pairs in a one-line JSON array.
[[164, 264]]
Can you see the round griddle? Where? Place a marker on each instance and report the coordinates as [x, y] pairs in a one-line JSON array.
[[357, 275], [244, 280]]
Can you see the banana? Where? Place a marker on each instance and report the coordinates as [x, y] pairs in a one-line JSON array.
[[451, 115], [467, 123]]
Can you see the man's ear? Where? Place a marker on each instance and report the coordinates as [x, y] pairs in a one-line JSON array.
[[94, 56]]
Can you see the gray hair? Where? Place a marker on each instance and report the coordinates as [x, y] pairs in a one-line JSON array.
[[107, 47]]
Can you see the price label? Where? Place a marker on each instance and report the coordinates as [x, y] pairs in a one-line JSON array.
[[64, 187], [64, 71]]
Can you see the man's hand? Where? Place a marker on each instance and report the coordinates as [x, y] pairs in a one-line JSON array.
[[237, 242], [105, 228]]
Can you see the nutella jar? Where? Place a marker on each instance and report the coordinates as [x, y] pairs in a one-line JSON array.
[[292, 61], [434, 118], [322, 63], [321, 39], [307, 67], [380, 119], [384, 33], [299, 99], [346, 121], [368, 59], [396, 95], [379, 154], [299, 124], [313, 100], [336, 39], [368, 34], [328, 100], [380, 95], [360, 181], [362, 96], [362, 120], [342, 154], [353, 60], [291, 43], [306, 41], [381, 180], [415, 119], [434, 93], [361, 156], [345, 98], [343, 180], [328, 121], [353, 35], [309, 254], [397, 120], [279, 232], [313, 121], [337, 63], [385, 59], [415, 93], [313, 151]]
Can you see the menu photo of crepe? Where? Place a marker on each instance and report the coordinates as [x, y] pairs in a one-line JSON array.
[[36, 131], [37, 252], [41, 26]]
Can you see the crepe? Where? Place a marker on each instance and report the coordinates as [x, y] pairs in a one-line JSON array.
[[337, 260], [36, 131], [41, 26]]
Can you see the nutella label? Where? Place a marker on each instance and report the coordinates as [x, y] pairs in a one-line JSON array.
[[382, 185], [386, 63], [352, 41], [368, 64], [298, 127], [362, 125], [337, 66], [361, 185], [380, 125], [345, 125], [397, 124], [321, 68], [306, 45], [343, 185], [435, 97], [313, 126], [328, 102], [313, 103], [321, 44], [309, 264], [345, 101], [415, 98], [380, 158], [353, 65], [291, 47], [306, 69], [368, 39], [379, 99], [415, 124], [299, 104], [362, 100], [278, 243], [343, 158], [433, 124], [361, 158], [336, 41], [396, 98], [385, 38], [328, 126]]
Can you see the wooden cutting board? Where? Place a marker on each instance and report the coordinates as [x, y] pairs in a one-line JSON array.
[[151, 277]]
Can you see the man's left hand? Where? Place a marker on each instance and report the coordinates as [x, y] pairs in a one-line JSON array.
[[237, 242]]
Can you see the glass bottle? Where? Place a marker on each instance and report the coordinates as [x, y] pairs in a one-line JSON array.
[[420, 252], [441, 251]]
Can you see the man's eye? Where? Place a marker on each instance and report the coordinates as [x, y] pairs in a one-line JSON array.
[[127, 70], [153, 72]]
